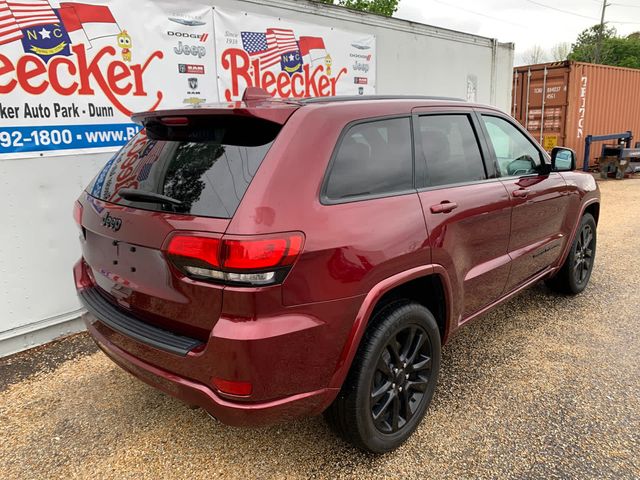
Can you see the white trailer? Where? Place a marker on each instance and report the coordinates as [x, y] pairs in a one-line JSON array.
[[39, 240]]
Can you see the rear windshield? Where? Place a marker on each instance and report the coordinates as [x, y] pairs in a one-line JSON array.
[[205, 172]]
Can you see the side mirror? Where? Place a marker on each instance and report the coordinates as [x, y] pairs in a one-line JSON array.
[[563, 159]]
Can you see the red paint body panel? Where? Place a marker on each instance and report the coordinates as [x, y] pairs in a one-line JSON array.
[[537, 224], [294, 341], [471, 242], [197, 394]]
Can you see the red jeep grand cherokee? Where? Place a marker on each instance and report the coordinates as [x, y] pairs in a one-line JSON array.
[[269, 259]]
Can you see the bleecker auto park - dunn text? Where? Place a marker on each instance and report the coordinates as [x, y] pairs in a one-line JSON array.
[[56, 110]]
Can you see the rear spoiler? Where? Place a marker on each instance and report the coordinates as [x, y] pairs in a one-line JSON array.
[[256, 103]]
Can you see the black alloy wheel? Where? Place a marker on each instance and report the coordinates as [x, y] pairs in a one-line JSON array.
[[391, 380], [401, 379], [573, 277], [583, 256]]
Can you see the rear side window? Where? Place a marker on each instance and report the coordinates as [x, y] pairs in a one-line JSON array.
[[451, 149], [202, 171], [373, 158]]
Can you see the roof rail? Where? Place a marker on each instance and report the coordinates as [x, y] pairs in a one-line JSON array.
[[349, 98], [257, 95]]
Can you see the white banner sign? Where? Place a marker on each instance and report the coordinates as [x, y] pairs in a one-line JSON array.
[[72, 73], [290, 59]]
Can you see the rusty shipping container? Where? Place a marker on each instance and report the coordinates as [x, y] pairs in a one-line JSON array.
[[579, 99]]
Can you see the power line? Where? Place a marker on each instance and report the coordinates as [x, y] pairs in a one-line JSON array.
[[560, 10], [623, 23], [615, 4], [626, 5], [580, 15], [481, 14]]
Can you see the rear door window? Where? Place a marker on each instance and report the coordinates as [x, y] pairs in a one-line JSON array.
[[373, 159], [206, 175], [450, 149]]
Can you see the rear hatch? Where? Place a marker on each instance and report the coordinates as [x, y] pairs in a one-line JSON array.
[[186, 171]]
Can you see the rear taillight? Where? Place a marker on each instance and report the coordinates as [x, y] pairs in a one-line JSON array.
[[203, 249], [77, 213], [264, 253], [171, 121], [241, 261]]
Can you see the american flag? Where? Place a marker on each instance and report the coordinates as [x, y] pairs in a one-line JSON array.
[[18, 14], [9, 28], [270, 45]]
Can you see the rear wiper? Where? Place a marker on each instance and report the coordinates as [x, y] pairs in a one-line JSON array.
[[138, 196]]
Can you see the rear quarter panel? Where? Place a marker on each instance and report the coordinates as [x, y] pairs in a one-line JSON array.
[[349, 247]]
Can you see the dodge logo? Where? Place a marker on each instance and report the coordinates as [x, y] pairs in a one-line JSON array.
[[113, 223]]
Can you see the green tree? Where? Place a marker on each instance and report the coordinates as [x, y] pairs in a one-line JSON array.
[[623, 52], [381, 7], [614, 50], [586, 45]]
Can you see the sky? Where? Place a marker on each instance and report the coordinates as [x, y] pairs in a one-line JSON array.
[[523, 22]]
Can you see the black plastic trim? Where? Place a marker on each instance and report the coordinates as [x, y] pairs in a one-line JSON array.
[[111, 316]]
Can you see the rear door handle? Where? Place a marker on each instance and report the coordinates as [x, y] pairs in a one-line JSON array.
[[521, 193], [444, 207]]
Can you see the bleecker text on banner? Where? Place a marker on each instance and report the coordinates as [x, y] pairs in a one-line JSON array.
[[289, 58]]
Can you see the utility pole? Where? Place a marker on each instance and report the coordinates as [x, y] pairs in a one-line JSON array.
[[600, 33]]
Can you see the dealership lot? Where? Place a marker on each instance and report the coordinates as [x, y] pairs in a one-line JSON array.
[[544, 386]]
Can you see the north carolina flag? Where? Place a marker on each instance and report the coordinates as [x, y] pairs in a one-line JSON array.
[[312, 49], [87, 22]]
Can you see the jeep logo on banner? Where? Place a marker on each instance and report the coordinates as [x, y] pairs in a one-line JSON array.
[[290, 59]]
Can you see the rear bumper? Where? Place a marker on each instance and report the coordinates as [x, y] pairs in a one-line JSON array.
[[156, 337], [288, 355], [198, 394]]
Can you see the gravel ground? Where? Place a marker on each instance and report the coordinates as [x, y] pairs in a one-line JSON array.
[[542, 387]]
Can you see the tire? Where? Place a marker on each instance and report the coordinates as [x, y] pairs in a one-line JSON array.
[[573, 277], [397, 333]]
